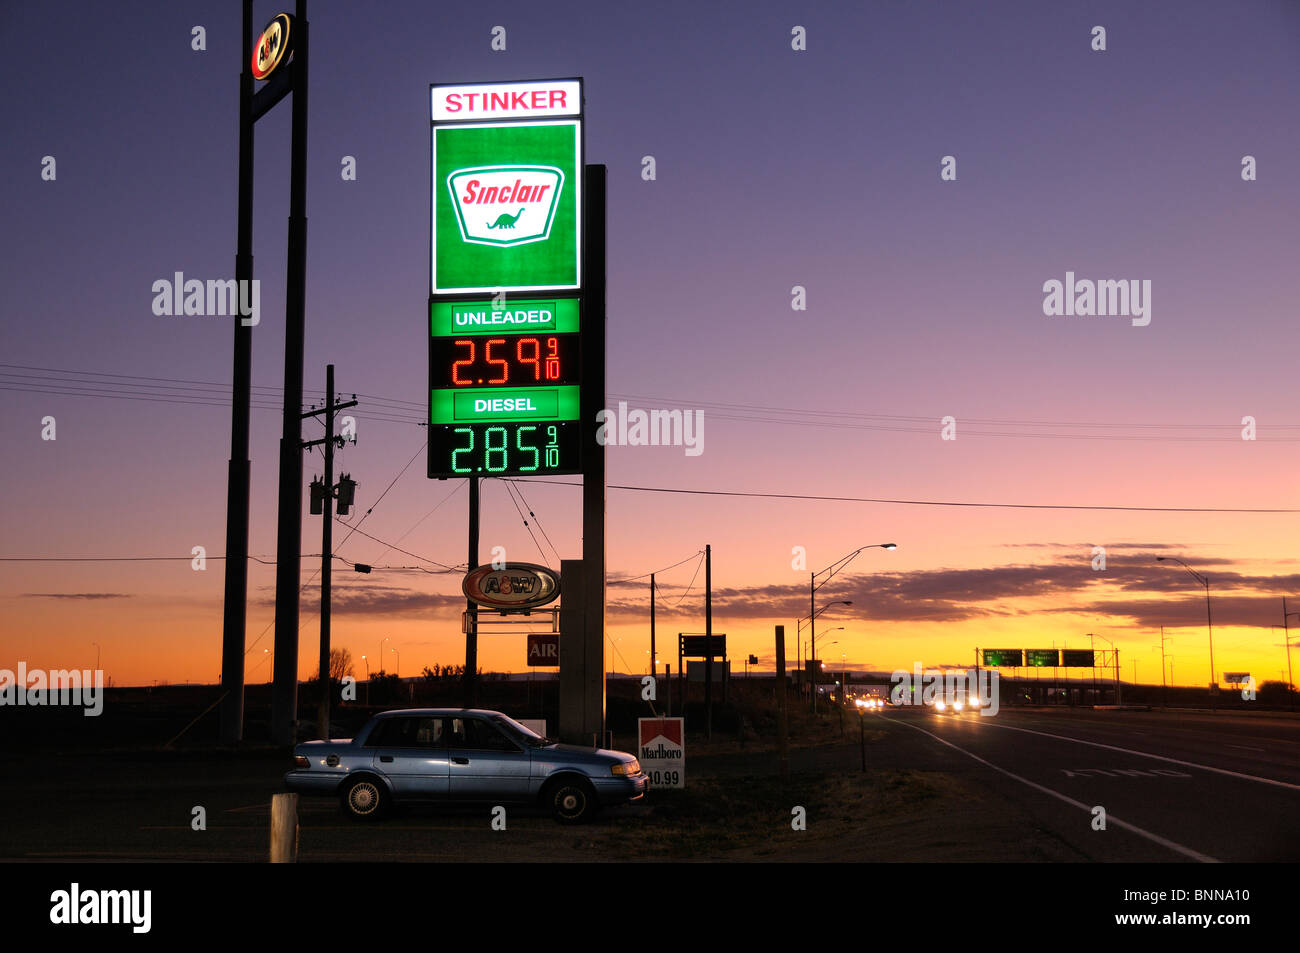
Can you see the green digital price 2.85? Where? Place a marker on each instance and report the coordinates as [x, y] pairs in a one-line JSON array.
[[505, 447]]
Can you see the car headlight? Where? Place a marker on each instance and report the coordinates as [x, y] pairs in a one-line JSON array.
[[939, 705], [626, 768], [956, 706]]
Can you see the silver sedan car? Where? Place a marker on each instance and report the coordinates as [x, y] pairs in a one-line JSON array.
[[458, 755]]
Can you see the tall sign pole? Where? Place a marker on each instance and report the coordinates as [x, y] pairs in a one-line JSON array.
[[277, 57], [471, 607], [593, 470], [235, 610], [516, 331], [288, 550]]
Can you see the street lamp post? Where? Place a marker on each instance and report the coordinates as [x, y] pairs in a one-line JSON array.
[[381, 653], [813, 586], [799, 628], [367, 661], [1209, 625]]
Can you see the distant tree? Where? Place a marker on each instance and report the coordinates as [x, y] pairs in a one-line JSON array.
[[340, 665]]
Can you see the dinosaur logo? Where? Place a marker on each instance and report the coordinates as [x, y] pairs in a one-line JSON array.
[[506, 220], [505, 205]]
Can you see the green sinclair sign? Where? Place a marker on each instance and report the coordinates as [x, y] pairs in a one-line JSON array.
[[507, 187], [505, 306]]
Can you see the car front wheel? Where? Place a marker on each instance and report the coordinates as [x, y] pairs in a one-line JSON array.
[[364, 799], [572, 802]]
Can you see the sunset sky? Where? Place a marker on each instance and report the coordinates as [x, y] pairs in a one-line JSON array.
[[775, 168]]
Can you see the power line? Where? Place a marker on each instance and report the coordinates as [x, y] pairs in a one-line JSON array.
[[401, 411], [535, 519], [863, 499], [655, 572], [692, 582]]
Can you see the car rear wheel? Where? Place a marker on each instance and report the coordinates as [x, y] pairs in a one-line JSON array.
[[364, 799], [572, 802]]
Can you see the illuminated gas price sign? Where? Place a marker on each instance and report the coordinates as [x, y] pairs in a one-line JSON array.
[[505, 278], [503, 384]]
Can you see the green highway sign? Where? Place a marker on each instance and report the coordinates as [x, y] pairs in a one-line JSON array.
[[1042, 658], [1077, 658], [1003, 658]]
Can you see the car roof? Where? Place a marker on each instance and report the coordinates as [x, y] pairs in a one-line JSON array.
[[435, 711]]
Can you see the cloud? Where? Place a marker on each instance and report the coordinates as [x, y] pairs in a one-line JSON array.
[[1133, 586], [77, 595]]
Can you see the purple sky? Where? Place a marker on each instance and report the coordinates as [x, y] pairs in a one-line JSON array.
[[775, 168]]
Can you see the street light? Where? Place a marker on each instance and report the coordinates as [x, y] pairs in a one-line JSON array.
[[800, 622], [381, 653], [1209, 625], [814, 585], [398, 671]]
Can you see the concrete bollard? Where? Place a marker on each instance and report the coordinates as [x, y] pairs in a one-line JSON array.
[[284, 829]]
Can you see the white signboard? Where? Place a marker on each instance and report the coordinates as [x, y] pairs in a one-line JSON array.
[[661, 749], [533, 100]]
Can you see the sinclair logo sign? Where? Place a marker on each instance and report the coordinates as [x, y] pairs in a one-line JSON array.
[[485, 200], [506, 187]]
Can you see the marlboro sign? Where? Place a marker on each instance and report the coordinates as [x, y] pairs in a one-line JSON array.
[[662, 750]]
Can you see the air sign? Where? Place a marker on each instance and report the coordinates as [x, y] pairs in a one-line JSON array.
[[505, 278]]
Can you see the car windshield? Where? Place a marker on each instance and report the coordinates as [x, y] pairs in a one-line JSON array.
[[522, 732]]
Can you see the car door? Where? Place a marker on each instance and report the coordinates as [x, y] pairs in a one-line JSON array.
[[485, 763], [410, 751]]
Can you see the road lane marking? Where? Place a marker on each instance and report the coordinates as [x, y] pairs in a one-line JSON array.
[[1110, 818], [1157, 757], [1246, 747]]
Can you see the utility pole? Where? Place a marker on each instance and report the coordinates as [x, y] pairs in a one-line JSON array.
[[471, 609], [322, 495], [783, 723], [653, 669], [812, 633], [1164, 685], [1290, 681], [708, 642], [288, 560]]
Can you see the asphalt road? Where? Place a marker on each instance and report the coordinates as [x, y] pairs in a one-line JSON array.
[[1174, 786], [1019, 786]]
